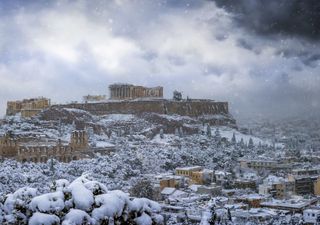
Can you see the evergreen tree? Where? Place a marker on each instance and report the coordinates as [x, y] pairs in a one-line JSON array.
[[176, 132], [177, 96], [208, 130], [229, 215], [142, 189], [161, 133], [234, 140], [212, 220], [250, 145], [186, 219], [217, 135], [181, 132], [241, 143]]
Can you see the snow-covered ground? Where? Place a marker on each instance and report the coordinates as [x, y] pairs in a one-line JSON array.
[[228, 132]]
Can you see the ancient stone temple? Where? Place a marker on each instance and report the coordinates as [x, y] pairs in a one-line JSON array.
[[129, 91]]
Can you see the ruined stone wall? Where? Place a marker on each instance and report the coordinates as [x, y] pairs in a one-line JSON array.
[[63, 153], [28, 107], [191, 108], [196, 108], [39, 152], [13, 107], [8, 147], [79, 140], [30, 112]]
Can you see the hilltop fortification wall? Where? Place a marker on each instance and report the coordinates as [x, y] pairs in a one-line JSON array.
[[191, 108]]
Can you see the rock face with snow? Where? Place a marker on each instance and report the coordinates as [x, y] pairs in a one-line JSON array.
[[138, 122], [81, 202]]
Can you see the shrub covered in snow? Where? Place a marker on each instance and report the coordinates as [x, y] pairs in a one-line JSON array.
[[82, 201]]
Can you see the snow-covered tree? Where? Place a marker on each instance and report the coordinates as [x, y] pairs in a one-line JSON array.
[[250, 144], [82, 201], [213, 215], [217, 135], [233, 139], [176, 132], [208, 130], [181, 133], [177, 96], [241, 143], [161, 133], [143, 189]]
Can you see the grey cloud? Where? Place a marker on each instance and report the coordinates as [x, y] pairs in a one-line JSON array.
[[243, 43], [312, 60], [289, 17]]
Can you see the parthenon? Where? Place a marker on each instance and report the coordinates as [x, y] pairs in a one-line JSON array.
[[129, 91]]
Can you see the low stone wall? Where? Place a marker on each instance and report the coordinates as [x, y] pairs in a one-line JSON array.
[[191, 108]]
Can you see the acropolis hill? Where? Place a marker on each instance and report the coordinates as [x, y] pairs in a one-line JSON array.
[[128, 99], [66, 131]]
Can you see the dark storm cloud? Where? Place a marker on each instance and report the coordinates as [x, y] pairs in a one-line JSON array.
[[312, 60], [288, 17]]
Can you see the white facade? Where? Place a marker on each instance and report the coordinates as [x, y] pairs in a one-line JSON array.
[[310, 216]]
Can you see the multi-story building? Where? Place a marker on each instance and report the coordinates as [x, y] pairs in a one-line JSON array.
[[252, 200], [222, 176], [202, 177], [305, 184], [245, 184], [277, 187], [171, 182], [311, 215], [317, 187], [265, 164], [291, 205], [187, 171], [196, 174], [314, 171]]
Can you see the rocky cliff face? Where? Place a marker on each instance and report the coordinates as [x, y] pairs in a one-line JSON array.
[[147, 123], [192, 108]]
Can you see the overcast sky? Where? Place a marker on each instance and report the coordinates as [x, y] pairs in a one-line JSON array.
[[261, 56]]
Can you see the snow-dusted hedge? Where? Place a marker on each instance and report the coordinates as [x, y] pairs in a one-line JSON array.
[[81, 202]]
